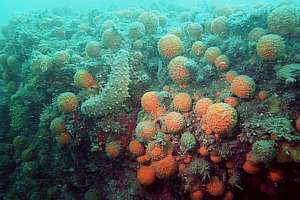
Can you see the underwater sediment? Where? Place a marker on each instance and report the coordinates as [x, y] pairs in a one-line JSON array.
[[161, 103]]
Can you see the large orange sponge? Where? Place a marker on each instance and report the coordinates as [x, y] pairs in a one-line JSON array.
[[145, 130], [146, 175], [243, 86], [182, 102], [202, 106], [219, 118], [83, 79], [270, 47], [215, 187], [165, 167], [170, 46], [67, 102], [178, 71], [173, 122]]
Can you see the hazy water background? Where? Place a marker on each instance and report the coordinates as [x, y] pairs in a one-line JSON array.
[[9, 8]]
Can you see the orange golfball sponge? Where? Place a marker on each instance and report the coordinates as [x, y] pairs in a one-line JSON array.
[[250, 168], [67, 102], [63, 138], [145, 130], [173, 122], [83, 79], [170, 46], [165, 167], [222, 62], [215, 187], [146, 175], [57, 125], [275, 175], [219, 118], [218, 26], [155, 152], [113, 149], [297, 124], [194, 31], [256, 33], [182, 102], [151, 103], [230, 75], [270, 47], [178, 71], [198, 48], [233, 101], [197, 195], [211, 54], [202, 106], [136, 148], [263, 95], [243, 86]]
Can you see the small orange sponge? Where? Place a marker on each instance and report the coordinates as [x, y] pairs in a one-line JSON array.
[[173, 122], [165, 167], [151, 104], [178, 71], [83, 79], [212, 53], [202, 106], [67, 102], [182, 102], [243, 86], [215, 187], [113, 149], [145, 130]]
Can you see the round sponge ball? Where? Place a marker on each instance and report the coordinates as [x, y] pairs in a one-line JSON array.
[[182, 102], [270, 47], [170, 46], [282, 20], [67, 102], [146, 175], [174, 122], [243, 86], [219, 118]]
